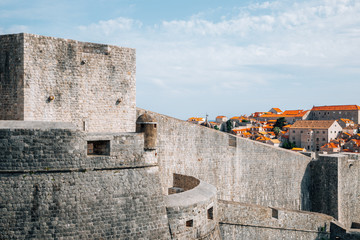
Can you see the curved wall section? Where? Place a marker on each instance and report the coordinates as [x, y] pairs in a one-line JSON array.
[[193, 214], [40, 146], [124, 204]]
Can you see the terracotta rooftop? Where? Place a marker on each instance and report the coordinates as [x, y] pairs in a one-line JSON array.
[[319, 124], [336, 107], [287, 113], [277, 109], [330, 145], [220, 116]]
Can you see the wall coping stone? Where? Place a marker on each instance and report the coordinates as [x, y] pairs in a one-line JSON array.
[[200, 193], [13, 124]]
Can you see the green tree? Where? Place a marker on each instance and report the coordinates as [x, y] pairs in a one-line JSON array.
[[280, 123], [288, 145], [229, 125], [216, 127], [276, 130]]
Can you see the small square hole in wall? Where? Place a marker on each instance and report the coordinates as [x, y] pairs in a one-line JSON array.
[[355, 225], [190, 223], [98, 147], [210, 213], [274, 213]]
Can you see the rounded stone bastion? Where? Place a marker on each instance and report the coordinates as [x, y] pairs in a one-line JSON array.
[[53, 188], [192, 211]]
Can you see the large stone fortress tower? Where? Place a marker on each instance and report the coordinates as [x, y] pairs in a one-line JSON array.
[[78, 160], [48, 79]]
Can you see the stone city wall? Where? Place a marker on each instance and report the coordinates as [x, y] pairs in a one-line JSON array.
[[242, 170], [90, 85], [11, 77], [324, 185], [104, 204], [335, 187], [349, 190], [248, 221], [51, 188], [193, 214]]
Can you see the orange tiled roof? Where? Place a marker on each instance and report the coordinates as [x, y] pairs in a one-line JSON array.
[[288, 113], [330, 145], [262, 138], [235, 118], [345, 120], [336, 108], [246, 134], [277, 109], [292, 112], [196, 119], [297, 149], [220, 116]]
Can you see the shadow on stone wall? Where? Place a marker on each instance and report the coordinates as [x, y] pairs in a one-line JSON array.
[[305, 189]]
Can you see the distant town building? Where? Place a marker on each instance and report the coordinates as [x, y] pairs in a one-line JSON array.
[[196, 120], [330, 147], [290, 116], [275, 111], [335, 112], [221, 119], [314, 134]]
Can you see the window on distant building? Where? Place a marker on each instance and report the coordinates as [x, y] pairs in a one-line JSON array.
[[317, 131], [323, 132], [293, 138], [323, 139]]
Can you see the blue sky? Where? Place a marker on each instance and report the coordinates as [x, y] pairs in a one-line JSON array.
[[216, 57]]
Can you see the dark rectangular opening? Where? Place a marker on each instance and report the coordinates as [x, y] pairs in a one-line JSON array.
[[355, 225], [210, 213], [189, 223], [98, 147], [232, 141], [274, 213]]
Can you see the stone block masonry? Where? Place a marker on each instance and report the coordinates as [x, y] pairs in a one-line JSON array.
[[51, 79], [51, 188], [11, 77], [108, 204], [242, 170]]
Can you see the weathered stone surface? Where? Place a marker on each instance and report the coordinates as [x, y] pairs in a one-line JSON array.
[[246, 171], [52, 79], [193, 206], [121, 204], [248, 221], [12, 77]]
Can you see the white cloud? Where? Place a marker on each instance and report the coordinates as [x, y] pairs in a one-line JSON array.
[[112, 26], [253, 51]]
